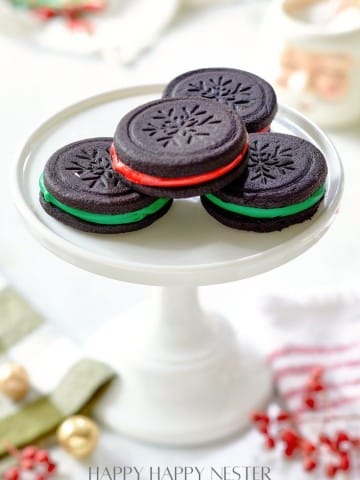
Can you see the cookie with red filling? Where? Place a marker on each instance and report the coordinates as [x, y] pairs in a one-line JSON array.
[[180, 147], [247, 94]]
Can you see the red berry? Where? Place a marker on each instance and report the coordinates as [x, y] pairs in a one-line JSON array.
[[260, 417], [270, 443], [42, 456], [344, 464], [263, 428], [40, 476], [289, 451], [289, 437], [28, 464], [331, 471], [29, 452], [309, 464], [310, 402], [315, 386], [334, 447], [283, 417], [51, 468], [342, 437], [12, 474], [307, 447], [324, 439], [319, 387]]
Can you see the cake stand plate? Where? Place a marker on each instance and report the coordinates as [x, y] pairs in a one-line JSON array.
[[184, 376]]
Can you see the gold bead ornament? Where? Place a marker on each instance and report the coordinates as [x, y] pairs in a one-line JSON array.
[[14, 381], [78, 435]]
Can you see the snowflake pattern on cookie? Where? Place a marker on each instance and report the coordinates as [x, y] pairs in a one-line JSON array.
[[179, 126], [94, 168], [223, 90], [267, 163]]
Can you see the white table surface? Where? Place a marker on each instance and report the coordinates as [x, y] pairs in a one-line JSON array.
[[33, 85]]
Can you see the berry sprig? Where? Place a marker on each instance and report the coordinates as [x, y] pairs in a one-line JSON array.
[[33, 462], [313, 387], [332, 453]]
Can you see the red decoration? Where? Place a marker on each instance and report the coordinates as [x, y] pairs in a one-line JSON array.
[[30, 461], [282, 417], [340, 448], [310, 402], [270, 443], [309, 464], [331, 471], [281, 430], [74, 16], [313, 387]]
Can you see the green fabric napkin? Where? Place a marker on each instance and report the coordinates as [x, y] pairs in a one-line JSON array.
[[63, 383]]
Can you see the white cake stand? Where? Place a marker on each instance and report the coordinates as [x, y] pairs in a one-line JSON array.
[[184, 377]]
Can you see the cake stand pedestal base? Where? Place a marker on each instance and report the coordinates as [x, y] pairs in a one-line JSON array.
[[184, 377]]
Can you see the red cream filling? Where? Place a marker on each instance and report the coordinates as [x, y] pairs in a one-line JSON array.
[[264, 130], [151, 181]]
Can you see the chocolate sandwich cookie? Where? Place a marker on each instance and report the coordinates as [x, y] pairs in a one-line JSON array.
[[180, 147], [79, 188], [247, 94], [284, 185]]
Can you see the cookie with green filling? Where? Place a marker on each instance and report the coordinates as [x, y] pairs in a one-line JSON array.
[[284, 185], [80, 189]]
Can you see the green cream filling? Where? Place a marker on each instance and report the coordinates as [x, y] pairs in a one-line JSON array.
[[100, 218], [269, 212]]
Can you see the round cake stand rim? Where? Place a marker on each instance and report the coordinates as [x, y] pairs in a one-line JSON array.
[[154, 274]]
